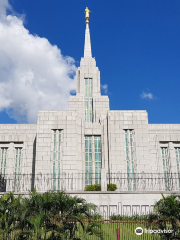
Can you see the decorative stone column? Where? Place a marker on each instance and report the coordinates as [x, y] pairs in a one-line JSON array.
[[103, 179]]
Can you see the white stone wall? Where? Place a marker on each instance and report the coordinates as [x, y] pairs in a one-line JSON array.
[[121, 203], [68, 122], [23, 136], [19, 135], [118, 121], [164, 135]]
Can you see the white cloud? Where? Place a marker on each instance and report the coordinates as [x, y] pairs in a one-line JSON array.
[[105, 88], [147, 96], [34, 75], [4, 6]]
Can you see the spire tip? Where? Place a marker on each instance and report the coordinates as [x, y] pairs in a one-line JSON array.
[[87, 11]]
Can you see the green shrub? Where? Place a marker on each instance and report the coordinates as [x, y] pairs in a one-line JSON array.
[[93, 187], [89, 188], [111, 187], [97, 187], [116, 217], [97, 216], [129, 218]]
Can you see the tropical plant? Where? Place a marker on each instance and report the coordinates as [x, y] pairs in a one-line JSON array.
[[166, 216], [9, 213], [96, 216], [47, 216], [2, 184]]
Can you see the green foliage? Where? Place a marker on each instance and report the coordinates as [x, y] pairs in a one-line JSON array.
[[93, 187], [46, 216], [129, 218], [97, 187], [111, 187], [167, 216], [96, 216], [10, 211]]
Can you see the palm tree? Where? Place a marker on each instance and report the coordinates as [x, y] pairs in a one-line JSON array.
[[67, 213], [167, 214], [46, 216], [9, 214]]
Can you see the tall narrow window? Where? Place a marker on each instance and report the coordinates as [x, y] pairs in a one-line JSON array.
[[18, 168], [88, 159], [56, 159], [97, 148], [129, 159], [88, 100], [177, 152], [93, 159], [165, 167], [3, 161]]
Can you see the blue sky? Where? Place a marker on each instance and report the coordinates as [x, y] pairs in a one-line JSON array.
[[136, 45]]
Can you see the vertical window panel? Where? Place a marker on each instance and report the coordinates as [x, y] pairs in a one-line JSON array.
[[3, 152], [129, 159], [177, 153], [92, 159], [132, 158], [18, 160], [97, 144], [88, 100], [88, 154], [165, 167], [56, 158]]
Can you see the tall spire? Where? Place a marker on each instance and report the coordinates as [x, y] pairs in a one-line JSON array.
[[87, 45]]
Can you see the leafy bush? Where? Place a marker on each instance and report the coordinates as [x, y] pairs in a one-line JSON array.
[[129, 218], [97, 187], [89, 188], [93, 187], [111, 187], [167, 215], [96, 216], [49, 215], [116, 217], [2, 184]]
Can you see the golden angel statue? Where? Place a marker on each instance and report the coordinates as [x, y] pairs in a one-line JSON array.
[[87, 11]]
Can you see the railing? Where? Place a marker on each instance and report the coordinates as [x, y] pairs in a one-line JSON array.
[[77, 182], [46, 182], [145, 181]]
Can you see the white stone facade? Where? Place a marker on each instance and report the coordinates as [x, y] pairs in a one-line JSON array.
[[54, 151]]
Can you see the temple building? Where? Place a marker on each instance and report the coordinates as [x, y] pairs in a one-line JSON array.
[[91, 144]]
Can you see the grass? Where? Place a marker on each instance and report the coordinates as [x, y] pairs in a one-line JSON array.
[[109, 228], [127, 231]]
